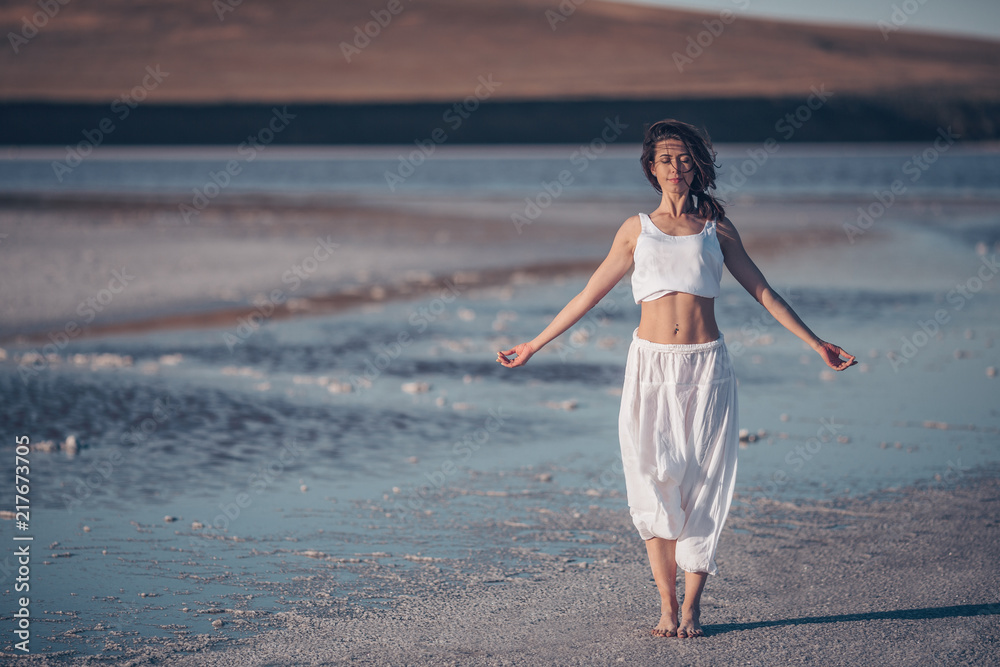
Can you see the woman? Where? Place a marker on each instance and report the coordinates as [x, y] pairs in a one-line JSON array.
[[678, 424]]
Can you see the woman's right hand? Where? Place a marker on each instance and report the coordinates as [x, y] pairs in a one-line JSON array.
[[523, 352]]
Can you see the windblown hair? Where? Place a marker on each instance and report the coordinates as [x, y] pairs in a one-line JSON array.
[[699, 145]]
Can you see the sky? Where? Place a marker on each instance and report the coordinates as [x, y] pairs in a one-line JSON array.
[[977, 18]]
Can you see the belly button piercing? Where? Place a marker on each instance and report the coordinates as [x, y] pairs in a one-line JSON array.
[[676, 327]]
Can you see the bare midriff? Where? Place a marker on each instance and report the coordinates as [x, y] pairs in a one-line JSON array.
[[679, 318]]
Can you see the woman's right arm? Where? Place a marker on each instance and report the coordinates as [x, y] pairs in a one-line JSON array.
[[608, 274]]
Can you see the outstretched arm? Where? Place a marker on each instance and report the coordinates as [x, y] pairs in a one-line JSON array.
[[612, 269], [749, 276]]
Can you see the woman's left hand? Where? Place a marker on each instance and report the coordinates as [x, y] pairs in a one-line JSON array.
[[831, 355]]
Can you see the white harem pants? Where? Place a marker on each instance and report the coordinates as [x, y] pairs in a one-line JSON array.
[[679, 432]]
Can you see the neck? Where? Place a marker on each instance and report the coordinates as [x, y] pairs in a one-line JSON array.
[[676, 204]]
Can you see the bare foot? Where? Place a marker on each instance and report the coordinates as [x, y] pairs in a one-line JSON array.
[[690, 625], [667, 627]]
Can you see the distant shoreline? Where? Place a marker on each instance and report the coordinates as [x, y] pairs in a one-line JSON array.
[[738, 119]]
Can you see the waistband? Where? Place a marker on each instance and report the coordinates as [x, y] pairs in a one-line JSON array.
[[675, 347]]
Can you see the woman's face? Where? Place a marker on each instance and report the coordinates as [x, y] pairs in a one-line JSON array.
[[670, 161]]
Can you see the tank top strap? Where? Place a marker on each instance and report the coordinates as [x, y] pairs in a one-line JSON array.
[[645, 221]]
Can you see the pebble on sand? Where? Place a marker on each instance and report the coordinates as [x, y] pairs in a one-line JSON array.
[[336, 387], [416, 387], [245, 371], [43, 446], [218, 623], [197, 525], [943, 426], [170, 519]]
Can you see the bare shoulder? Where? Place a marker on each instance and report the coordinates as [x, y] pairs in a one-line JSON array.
[[629, 231], [726, 224], [727, 231]]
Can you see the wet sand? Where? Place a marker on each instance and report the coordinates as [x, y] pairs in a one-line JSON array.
[[904, 576]]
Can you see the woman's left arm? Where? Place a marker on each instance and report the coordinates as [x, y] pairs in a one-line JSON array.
[[749, 276]]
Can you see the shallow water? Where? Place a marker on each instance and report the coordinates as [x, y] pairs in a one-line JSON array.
[[942, 170], [287, 476], [212, 436]]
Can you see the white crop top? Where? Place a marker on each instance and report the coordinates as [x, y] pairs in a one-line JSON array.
[[666, 264]]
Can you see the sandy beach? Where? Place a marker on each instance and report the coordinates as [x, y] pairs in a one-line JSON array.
[[353, 478], [905, 576]]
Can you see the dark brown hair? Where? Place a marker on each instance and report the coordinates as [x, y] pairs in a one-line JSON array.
[[699, 145]]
